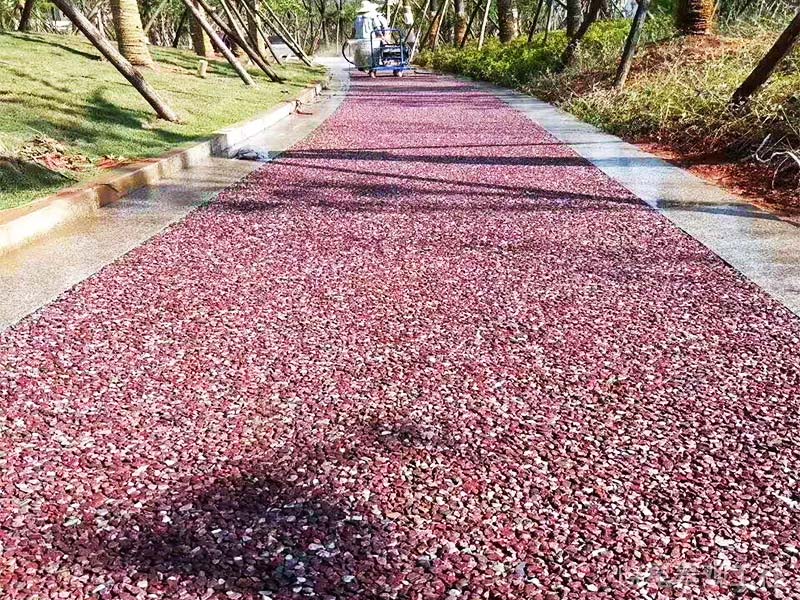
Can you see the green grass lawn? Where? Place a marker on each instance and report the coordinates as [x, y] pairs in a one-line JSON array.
[[57, 86]]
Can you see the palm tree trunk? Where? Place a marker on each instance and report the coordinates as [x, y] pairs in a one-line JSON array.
[[506, 20], [115, 58], [460, 29], [695, 17], [573, 17], [130, 34], [201, 43], [25, 17]]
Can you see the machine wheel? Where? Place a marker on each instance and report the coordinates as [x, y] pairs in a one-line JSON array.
[[372, 74]]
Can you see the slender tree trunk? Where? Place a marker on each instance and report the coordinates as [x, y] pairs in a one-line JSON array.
[[179, 29], [122, 65], [248, 43], [283, 32], [254, 27], [484, 22], [574, 14], [783, 45], [130, 35], [548, 24], [536, 15], [507, 22], [418, 36], [217, 41], [695, 17], [437, 30], [468, 29], [153, 15], [25, 17], [631, 43], [253, 13], [233, 33], [569, 53], [433, 29]]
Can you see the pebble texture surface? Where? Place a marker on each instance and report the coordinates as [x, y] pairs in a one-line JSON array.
[[428, 354]]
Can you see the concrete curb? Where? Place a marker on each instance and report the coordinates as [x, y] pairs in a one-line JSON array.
[[22, 225]]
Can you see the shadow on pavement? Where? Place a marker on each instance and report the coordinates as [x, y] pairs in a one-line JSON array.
[[248, 537]]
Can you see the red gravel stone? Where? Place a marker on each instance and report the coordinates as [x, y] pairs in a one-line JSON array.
[[429, 353]]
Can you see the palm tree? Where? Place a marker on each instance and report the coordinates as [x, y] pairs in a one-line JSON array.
[[574, 17], [115, 58], [506, 20], [695, 17], [130, 34], [201, 43], [25, 17], [460, 27]]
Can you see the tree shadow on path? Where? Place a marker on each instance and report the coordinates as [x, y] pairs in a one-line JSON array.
[[246, 537]]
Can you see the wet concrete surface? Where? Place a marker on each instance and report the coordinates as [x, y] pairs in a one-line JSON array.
[[35, 275]]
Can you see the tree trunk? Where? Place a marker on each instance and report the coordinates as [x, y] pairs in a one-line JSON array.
[[460, 28], [217, 41], [507, 22], [631, 43], [240, 34], [535, 22], [254, 27], [574, 9], [484, 22], [569, 53], [695, 17], [130, 34], [468, 28], [282, 32], [179, 29], [548, 23], [780, 49], [25, 17], [432, 37], [107, 49], [251, 8], [201, 43]]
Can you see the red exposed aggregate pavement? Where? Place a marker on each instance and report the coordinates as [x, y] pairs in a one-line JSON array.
[[429, 353]]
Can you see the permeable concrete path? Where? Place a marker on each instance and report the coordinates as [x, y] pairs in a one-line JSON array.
[[430, 353]]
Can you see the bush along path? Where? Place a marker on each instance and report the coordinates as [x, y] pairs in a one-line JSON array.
[[438, 357]]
